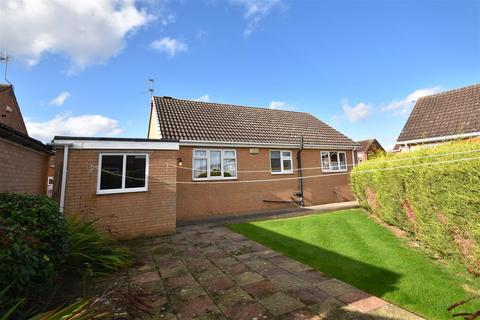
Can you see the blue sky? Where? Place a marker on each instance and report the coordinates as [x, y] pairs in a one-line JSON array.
[[82, 67]]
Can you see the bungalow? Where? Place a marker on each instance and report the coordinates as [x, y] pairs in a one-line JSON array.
[[202, 160], [236, 159], [446, 116]]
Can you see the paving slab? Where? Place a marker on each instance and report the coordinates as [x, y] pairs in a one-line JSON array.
[[210, 272]]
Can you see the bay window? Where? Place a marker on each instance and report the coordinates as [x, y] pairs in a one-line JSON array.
[[119, 173], [212, 164], [333, 161]]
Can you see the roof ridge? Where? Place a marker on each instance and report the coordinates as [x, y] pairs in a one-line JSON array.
[[232, 105], [451, 91]]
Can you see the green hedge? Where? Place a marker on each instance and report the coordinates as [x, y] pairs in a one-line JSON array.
[[33, 244], [437, 203]]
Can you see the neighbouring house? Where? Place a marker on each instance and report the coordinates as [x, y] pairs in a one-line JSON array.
[[446, 116], [369, 148], [23, 160], [202, 160]]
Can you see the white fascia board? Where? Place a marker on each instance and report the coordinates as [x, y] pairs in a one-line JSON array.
[[200, 143], [118, 145], [442, 138]]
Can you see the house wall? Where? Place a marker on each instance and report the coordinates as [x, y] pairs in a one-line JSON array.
[[201, 199], [125, 215], [22, 170], [11, 116]]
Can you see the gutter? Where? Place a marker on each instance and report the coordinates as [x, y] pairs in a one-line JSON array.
[[442, 138], [262, 145]]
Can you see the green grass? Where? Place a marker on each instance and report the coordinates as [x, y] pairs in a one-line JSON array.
[[349, 246]]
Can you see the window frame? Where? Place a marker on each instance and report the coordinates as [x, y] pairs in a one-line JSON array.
[[330, 162], [207, 157], [124, 173], [282, 170]]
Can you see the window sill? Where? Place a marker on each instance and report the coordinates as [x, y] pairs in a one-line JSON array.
[[286, 172], [334, 171], [213, 179], [118, 191]]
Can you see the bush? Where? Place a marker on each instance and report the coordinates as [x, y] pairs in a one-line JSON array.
[[438, 204], [91, 250], [33, 244]]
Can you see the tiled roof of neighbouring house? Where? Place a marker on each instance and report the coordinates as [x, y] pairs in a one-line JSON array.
[[214, 122], [444, 114]]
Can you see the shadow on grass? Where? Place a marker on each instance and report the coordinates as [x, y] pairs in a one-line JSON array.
[[354, 272]]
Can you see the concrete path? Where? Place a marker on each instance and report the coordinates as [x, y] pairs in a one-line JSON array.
[[272, 214], [213, 273]]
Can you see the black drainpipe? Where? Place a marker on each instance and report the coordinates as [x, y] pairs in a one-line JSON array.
[[300, 176]]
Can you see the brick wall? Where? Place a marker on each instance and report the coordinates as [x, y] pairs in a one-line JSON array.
[[22, 170], [206, 199], [126, 215], [11, 117]]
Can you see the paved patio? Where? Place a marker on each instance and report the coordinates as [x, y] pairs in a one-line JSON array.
[[210, 272]]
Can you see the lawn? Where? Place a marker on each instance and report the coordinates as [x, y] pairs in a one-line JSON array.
[[350, 246]]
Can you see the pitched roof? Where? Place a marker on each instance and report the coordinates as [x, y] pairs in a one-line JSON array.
[[444, 114], [214, 122], [366, 143], [13, 135]]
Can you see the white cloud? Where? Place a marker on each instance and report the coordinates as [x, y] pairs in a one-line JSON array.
[[358, 112], [280, 105], [60, 99], [169, 46], [255, 11], [204, 98], [88, 32], [85, 125], [405, 105]]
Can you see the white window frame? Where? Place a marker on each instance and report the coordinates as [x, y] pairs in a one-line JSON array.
[[207, 157], [330, 162], [124, 173], [282, 171]]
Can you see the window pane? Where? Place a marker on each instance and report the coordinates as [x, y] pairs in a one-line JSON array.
[[343, 160], [229, 154], [200, 153], [275, 161], [215, 163], [135, 176], [229, 168], [287, 165], [286, 154], [333, 161], [325, 163], [200, 168], [112, 170]]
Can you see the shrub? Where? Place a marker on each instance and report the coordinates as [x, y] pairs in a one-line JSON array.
[[437, 203], [91, 250], [33, 244]]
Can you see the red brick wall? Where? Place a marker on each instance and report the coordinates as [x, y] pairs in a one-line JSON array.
[[126, 215], [22, 170], [206, 199], [14, 118]]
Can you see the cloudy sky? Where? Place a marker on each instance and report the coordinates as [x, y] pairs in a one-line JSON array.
[[82, 67]]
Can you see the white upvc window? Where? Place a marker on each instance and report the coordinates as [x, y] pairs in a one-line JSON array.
[[281, 161], [334, 161], [122, 172], [214, 164]]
